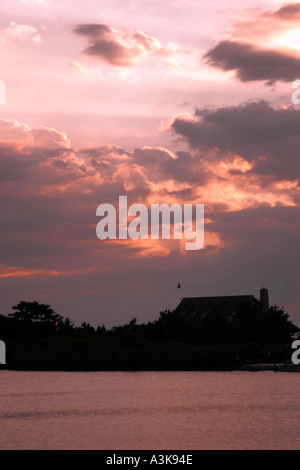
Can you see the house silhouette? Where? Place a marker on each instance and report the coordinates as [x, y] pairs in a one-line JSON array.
[[196, 309]]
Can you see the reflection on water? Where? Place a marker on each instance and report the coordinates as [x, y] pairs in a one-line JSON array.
[[149, 410]]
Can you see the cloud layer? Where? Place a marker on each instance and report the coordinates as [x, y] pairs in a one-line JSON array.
[[238, 166]]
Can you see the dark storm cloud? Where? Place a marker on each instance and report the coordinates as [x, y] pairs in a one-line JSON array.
[[252, 63], [185, 168], [267, 137], [236, 127], [182, 167]]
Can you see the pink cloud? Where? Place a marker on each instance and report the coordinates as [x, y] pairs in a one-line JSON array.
[[121, 48], [20, 32]]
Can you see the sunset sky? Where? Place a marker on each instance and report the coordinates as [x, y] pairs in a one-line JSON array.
[[163, 101]]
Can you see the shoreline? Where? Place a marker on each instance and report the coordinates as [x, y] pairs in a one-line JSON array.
[[269, 367], [242, 368]]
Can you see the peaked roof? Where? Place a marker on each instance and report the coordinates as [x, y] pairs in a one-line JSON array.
[[201, 305]]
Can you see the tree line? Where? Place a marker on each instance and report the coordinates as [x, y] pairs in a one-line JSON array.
[[37, 338]]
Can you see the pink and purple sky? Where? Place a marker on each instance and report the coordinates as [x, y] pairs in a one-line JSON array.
[[163, 101]]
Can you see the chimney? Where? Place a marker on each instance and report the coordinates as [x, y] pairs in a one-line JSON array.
[[264, 300]]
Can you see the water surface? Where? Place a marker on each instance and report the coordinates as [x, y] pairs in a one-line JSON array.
[[149, 410]]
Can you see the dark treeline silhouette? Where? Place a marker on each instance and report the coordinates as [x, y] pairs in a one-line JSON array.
[[38, 339]]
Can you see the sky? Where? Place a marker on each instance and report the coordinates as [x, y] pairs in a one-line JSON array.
[[172, 101]]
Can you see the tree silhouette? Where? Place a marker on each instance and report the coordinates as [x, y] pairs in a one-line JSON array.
[[34, 312]]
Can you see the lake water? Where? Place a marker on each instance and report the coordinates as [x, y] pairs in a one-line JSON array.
[[149, 410]]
